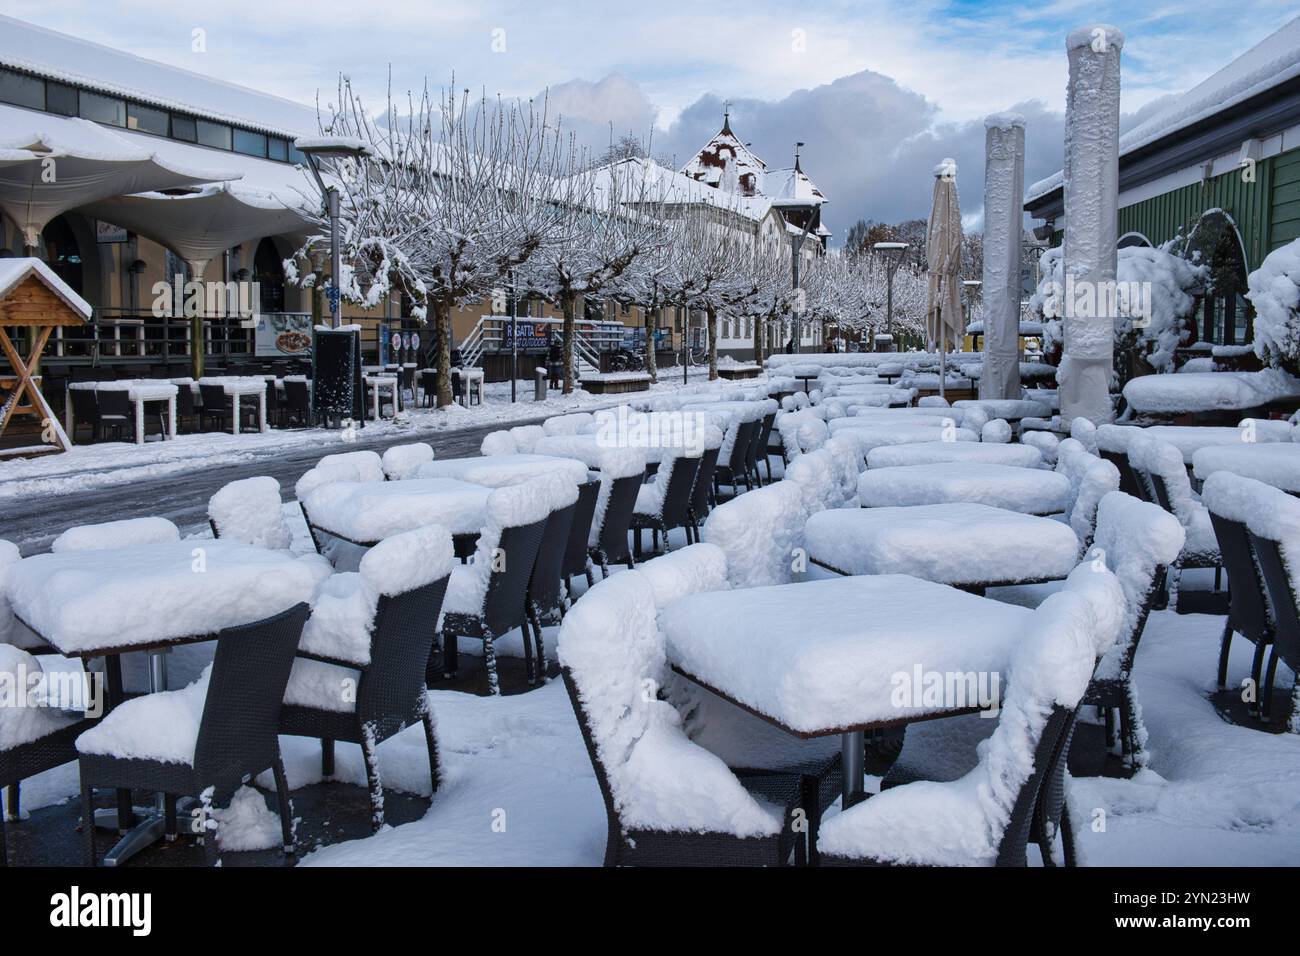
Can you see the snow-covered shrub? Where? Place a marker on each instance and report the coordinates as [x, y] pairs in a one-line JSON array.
[[1156, 294], [1275, 293], [403, 461], [249, 511], [759, 532], [116, 534], [998, 431], [611, 645]]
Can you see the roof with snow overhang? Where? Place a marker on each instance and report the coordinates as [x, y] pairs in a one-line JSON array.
[[726, 162]]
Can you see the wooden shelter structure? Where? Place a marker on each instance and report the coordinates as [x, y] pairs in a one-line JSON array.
[[33, 302]]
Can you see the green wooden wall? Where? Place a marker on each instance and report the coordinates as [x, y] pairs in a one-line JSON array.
[[1266, 211]]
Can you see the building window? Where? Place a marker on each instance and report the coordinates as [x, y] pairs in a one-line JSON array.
[[277, 149], [1226, 315], [102, 109], [217, 135], [146, 119], [184, 128], [297, 157], [22, 90], [250, 144], [61, 99]]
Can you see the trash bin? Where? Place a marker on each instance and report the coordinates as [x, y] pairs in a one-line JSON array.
[[539, 384]]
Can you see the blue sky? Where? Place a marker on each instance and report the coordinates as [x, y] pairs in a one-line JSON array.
[[877, 89]]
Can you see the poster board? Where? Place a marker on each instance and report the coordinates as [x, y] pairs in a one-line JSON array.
[[336, 383], [284, 335]]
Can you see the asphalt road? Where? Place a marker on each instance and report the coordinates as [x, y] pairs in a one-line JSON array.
[[33, 522]]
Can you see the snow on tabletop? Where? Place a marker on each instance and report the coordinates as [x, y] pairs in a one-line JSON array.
[[996, 432], [83, 600], [403, 461], [1006, 407], [116, 534], [612, 647], [574, 424], [1133, 538], [237, 385], [871, 434], [936, 452], [510, 506], [759, 532], [367, 511], [346, 466], [958, 543], [1275, 463], [497, 471], [1028, 490], [249, 511], [615, 463], [20, 721], [961, 823], [1209, 391], [247, 823], [822, 655]]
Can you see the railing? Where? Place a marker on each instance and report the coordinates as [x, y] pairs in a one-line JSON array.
[[491, 334], [139, 333]]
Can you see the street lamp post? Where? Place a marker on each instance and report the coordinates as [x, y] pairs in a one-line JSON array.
[[340, 148], [892, 254]]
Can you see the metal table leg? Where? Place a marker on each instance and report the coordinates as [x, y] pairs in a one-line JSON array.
[[852, 755]]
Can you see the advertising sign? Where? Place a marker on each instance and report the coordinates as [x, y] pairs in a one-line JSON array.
[[284, 335]]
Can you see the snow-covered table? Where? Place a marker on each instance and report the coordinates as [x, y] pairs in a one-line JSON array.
[[966, 545], [841, 656], [1274, 463], [938, 452], [151, 598], [366, 512], [236, 387], [1010, 409], [1190, 439], [377, 384], [1182, 392], [1033, 491], [496, 471], [138, 392], [587, 449], [870, 433]]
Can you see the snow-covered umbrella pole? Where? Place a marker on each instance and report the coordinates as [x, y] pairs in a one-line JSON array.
[[943, 255], [1091, 221], [1004, 185]]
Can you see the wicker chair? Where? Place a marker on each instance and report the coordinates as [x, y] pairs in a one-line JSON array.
[[1280, 579], [546, 596], [611, 545], [86, 409], [697, 508], [662, 506], [754, 452], [501, 605], [116, 412], [1248, 613], [576, 558], [765, 443], [236, 736], [389, 691], [216, 406], [297, 403], [736, 468]]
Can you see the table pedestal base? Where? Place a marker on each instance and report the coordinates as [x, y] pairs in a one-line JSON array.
[[852, 756]]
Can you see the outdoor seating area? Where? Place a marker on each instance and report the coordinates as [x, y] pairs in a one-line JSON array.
[[784, 575]]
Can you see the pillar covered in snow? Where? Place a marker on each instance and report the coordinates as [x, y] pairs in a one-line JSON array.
[[1004, 187], [1091, 221]]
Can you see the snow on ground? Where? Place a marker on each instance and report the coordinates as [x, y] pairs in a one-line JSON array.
[[117, 463]]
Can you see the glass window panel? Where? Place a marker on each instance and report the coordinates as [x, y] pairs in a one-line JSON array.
[[217, 135], [250, 144], [277, 149], [60, 98], [102, 109], [183, 128], [22, 90], [146, 119]]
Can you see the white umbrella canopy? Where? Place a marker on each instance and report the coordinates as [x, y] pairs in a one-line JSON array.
[[52, 164], [943, 315]]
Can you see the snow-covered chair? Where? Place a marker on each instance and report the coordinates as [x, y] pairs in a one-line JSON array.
[[697, 508], [760, 533], [622, 470], [668, 801], [32, 739], [344, 466], [359, 673], [997, 431], [126, 533], [12, 630], [663, 503], [1091, 479], [526, 437], [987, 816], [249, 511], [577, 423], [1045, 442], [1160, 464], [576, 559], [403, 461], [800, 431], [498, 443], [733, 458], [820, 476], [1273, 520], [546, 595], [213, 733], [487, 598]]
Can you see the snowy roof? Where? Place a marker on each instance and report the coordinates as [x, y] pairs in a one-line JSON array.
[[791, 186], [725, 156], [14, 271], [59, 56], [677, 188], [1269, 63]]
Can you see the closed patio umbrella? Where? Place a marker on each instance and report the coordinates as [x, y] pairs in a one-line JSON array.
[[943, 315]]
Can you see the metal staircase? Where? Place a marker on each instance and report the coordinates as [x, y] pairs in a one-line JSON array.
[[491, 334]]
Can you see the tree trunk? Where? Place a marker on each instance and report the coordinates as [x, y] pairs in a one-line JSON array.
[[651, 323], [442, 329], [568, 303], [758, 342], [712, 314]]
